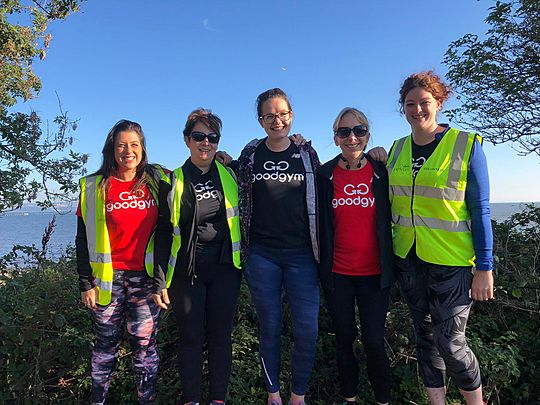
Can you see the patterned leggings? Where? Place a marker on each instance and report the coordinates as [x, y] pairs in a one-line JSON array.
[[132, 308], [439, 302]]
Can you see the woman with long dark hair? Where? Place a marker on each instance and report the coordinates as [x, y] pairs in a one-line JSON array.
[[115, 238]]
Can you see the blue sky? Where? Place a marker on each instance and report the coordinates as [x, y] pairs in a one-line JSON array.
[[155, 61]]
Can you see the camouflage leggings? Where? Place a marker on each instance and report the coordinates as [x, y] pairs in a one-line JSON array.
[[439, 303], [132, 308]]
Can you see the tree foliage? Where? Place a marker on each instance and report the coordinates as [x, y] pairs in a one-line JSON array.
[[497, 78], [21, 44], [33, 160]]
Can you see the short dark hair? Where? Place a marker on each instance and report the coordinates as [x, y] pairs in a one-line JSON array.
[[205, 116], [267, 95]]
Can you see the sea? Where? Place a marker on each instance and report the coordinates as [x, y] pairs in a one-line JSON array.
[[26, 227]]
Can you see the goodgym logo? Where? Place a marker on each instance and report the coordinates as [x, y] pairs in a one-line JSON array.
[[274, 171], [357, 193], [271, 166], [360, 189], [205, 190], [133, 200]]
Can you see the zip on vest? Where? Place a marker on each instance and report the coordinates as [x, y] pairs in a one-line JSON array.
[[194, 261], [412, 203]]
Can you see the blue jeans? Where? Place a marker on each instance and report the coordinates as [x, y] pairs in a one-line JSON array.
[[268, 271]]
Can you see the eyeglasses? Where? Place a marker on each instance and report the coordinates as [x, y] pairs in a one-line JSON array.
[[345, 132], [270, 118], [199, 137]]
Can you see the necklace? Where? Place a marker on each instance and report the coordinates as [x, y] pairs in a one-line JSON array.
[[347, 166]]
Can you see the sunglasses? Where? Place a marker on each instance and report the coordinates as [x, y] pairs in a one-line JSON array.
[[199, 137], [345, 132]]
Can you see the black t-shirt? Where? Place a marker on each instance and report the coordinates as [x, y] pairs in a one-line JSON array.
[[421, 153], [279, 217], [211, 219]]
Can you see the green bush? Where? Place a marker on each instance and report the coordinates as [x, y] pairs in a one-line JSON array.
[[47, 338]]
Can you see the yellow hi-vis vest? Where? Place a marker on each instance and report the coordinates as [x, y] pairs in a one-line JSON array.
[[431, 209], [99, 248], [230, 191]]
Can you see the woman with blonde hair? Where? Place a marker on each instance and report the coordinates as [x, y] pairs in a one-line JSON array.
[[357, 261]]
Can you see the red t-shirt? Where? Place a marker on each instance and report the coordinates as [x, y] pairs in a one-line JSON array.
[[131, 218], [356, 247]]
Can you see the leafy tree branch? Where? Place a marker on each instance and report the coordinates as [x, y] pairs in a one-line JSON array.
[[33, 160], [497, 78]]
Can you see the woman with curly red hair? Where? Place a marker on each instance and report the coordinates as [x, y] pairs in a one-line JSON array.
[[442, 237]]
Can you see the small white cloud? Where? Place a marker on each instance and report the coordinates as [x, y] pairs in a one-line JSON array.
[[207, 26]]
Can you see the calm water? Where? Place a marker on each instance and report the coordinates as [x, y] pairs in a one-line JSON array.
[[27, 228]]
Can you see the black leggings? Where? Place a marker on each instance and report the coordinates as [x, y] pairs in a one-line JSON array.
[[204, 311], [439, 302], [372, 302]]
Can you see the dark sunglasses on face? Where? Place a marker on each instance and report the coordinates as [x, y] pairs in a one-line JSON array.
[[345, 132], [199, 137]]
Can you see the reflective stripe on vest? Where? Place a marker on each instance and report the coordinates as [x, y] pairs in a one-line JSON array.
[[431, 209], [99, 248], [230, 191], [159, 175]]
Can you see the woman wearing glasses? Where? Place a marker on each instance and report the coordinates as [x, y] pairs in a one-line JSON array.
[[356, 253], [198, 258], [279, 241], [115, 234], [439, 192]]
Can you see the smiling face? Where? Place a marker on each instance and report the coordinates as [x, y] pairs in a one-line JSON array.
[[277, 129], [203, 152], [353, 146], [421, 109], [128, 153]]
